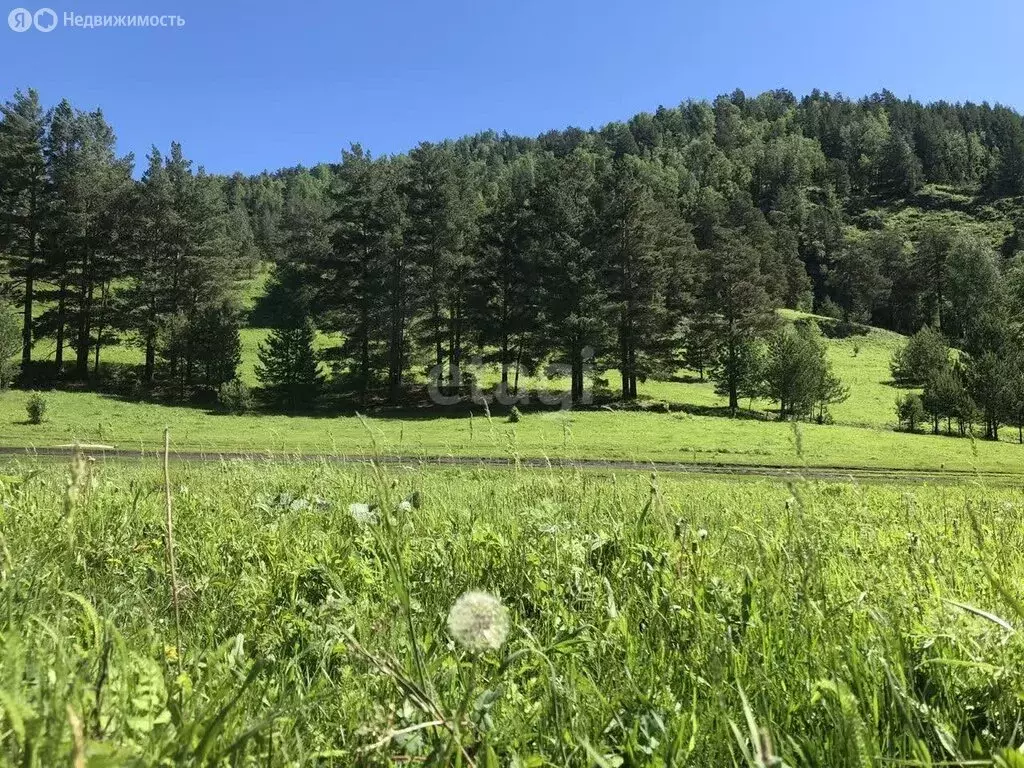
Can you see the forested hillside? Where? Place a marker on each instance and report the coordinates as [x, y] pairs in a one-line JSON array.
[[639, 248]]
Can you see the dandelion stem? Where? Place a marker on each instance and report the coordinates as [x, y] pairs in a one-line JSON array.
[[171, 566]]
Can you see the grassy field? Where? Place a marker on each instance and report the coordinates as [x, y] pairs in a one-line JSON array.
[[649, 622], [569, 435]]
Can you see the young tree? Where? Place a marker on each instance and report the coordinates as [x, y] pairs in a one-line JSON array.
[[943, 396], [216, 344], [988, 380], [792, 373], [829, 390], [289, 371], [931, 267], [920, 357], [910, 411], [698, 345], [741, 314], [798, 374]]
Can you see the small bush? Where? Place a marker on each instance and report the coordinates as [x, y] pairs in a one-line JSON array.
[[515, 415], [925, 354], [234, 397], [36, 408], [910, 411]]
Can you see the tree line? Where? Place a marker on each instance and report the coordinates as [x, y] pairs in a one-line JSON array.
[[663, 241], [93, 256]]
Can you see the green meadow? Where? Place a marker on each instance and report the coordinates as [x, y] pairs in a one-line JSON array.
[[683, 421], [643, 621]]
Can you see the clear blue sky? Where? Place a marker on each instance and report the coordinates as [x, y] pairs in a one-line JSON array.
[[258, 84]]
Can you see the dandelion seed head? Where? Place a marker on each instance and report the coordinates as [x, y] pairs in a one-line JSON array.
[[361, 513], [478, 622], [405, 506]]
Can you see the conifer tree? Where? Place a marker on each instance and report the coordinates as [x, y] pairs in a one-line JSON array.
[[740, 313], [288, 369], [23, 200]]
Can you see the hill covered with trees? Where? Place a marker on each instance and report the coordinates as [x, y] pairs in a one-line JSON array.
[[638, 247]]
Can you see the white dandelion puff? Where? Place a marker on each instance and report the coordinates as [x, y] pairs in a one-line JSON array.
[[478, 622], [361, 513], [405, 506]]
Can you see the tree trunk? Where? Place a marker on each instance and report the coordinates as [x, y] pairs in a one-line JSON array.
[[504, 363], [84, 321], [61, 310], [397, 333], [438, 346], [623, 363], [99, 330], [150, 368], [455, 372], [26, 330], [519, 362]]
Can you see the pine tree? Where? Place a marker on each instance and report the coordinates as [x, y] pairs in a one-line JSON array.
[[647, 257], [86, 238], [148, 296], [23, 199], [740, 314], [572, 294], [443, 211], [289, 371], [503, 305], [989, 385], [365, 283]]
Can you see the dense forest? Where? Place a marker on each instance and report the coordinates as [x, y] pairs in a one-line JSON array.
[[639, 247]]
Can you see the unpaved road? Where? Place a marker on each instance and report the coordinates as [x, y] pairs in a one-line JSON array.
[[834, 474]]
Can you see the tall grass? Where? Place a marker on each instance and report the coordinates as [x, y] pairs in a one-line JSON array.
[[653, 622]]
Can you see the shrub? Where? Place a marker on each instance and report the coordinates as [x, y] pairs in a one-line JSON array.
[[234, 397], [515, 415], [36, 408], [910, 411], [924, 354]]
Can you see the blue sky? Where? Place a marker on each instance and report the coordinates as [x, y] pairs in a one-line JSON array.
[[258, 84]]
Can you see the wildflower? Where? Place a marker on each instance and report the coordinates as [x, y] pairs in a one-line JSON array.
[[361, 513], [171, 653], [479, 622], [405, 506]]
